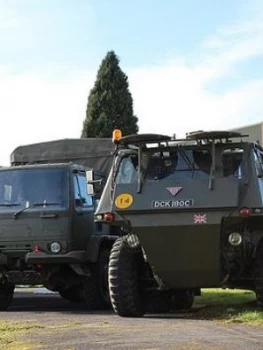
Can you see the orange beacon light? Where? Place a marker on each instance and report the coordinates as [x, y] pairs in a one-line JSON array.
[[116, 135]]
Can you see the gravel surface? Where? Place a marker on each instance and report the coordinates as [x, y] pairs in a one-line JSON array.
[[62, 325]]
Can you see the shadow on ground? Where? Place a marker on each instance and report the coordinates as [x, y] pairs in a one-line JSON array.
[[214, 304]]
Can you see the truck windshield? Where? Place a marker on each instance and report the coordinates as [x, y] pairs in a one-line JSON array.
[[24, 187], [180, 163]]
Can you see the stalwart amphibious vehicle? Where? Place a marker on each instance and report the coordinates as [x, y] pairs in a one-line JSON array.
[[191, 213]]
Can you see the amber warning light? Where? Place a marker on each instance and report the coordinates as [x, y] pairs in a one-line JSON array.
[[116, 135]]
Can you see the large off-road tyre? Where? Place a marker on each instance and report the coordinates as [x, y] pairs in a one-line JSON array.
[[72, 294], [6, 293], [258, 279], [181, 300], [95, 289], [124, 271]]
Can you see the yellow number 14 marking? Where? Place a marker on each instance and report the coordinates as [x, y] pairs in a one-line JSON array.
[[124, 201]]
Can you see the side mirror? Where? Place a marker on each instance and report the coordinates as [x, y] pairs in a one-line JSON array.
[[90, 176], [90, 190], [91, 182], [90, 179]]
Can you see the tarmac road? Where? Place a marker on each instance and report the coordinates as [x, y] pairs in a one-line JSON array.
[[66, 326]]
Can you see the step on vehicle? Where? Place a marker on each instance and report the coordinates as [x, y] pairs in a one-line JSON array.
[[192, 218], [47, 231]]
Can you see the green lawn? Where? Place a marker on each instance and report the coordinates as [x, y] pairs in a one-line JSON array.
[[236, 306], [8, 333]]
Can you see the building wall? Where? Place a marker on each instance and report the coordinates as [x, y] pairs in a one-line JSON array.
[[254, 131]]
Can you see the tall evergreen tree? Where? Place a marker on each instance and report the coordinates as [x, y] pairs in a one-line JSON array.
[[110, 104]]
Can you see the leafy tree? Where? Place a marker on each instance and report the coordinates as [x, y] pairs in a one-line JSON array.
[[110, 103]]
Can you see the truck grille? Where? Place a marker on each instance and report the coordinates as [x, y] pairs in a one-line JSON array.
[[24, 277]]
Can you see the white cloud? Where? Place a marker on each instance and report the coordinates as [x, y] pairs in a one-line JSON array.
[[176, 100], [8, 18], [174, 96], [231, 46], [35, 108]]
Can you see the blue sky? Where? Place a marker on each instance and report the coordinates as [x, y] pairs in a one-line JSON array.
[[191, 64], [79, 32]]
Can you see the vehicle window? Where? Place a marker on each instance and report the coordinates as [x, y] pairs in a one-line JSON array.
[[258, 163], [34, 186], [157, 164], [161, 164], [178, 164], [231, 161], [260, 155], [128, 170], [80, 189]]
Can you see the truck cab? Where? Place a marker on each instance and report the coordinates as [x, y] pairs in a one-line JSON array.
[[48, 235]]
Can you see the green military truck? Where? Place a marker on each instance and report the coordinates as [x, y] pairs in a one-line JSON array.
[[192, 217], [47, 232]]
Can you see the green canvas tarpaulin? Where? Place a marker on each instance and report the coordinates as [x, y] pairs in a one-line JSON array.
[[95, 153]]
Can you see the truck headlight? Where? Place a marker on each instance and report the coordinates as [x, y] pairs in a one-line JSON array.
[[55, 247], [235, 238]]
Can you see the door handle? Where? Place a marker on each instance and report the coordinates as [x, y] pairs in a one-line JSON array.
[[48, 216]]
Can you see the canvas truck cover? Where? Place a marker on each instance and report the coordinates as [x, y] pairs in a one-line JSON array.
[[95, 153]]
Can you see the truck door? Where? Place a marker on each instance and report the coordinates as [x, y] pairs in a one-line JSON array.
[[84, 225]]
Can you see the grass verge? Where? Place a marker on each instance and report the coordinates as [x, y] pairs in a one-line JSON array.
[[8, 333], [232, 306]]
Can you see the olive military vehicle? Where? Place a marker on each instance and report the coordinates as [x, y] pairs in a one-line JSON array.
[[192, 217], [47, 232]]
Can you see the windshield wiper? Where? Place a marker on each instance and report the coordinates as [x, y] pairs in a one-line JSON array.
[[9, 204], [212, 169], [40, 204], [185, 158], [139, 186]]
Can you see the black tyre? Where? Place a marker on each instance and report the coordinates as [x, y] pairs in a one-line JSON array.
[[181, 300], [258, 279], [72, 294], [95, 289], [124, 270], [6, 294]]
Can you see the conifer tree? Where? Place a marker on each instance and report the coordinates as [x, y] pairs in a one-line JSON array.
[[110, 104]]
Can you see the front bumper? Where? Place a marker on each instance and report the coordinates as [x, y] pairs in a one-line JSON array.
[[49, 258]]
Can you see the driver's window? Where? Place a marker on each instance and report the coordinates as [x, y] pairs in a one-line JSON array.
[[258, 163], [128, 170], [80, 190]]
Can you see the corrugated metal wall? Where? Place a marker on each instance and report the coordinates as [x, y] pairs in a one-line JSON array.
[[254, 131]]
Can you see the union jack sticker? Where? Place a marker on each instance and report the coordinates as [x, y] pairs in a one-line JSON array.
[[200, 219]]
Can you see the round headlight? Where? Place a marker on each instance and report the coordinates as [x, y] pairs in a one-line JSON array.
[[55, 247], [235, 238], [99, 217]]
